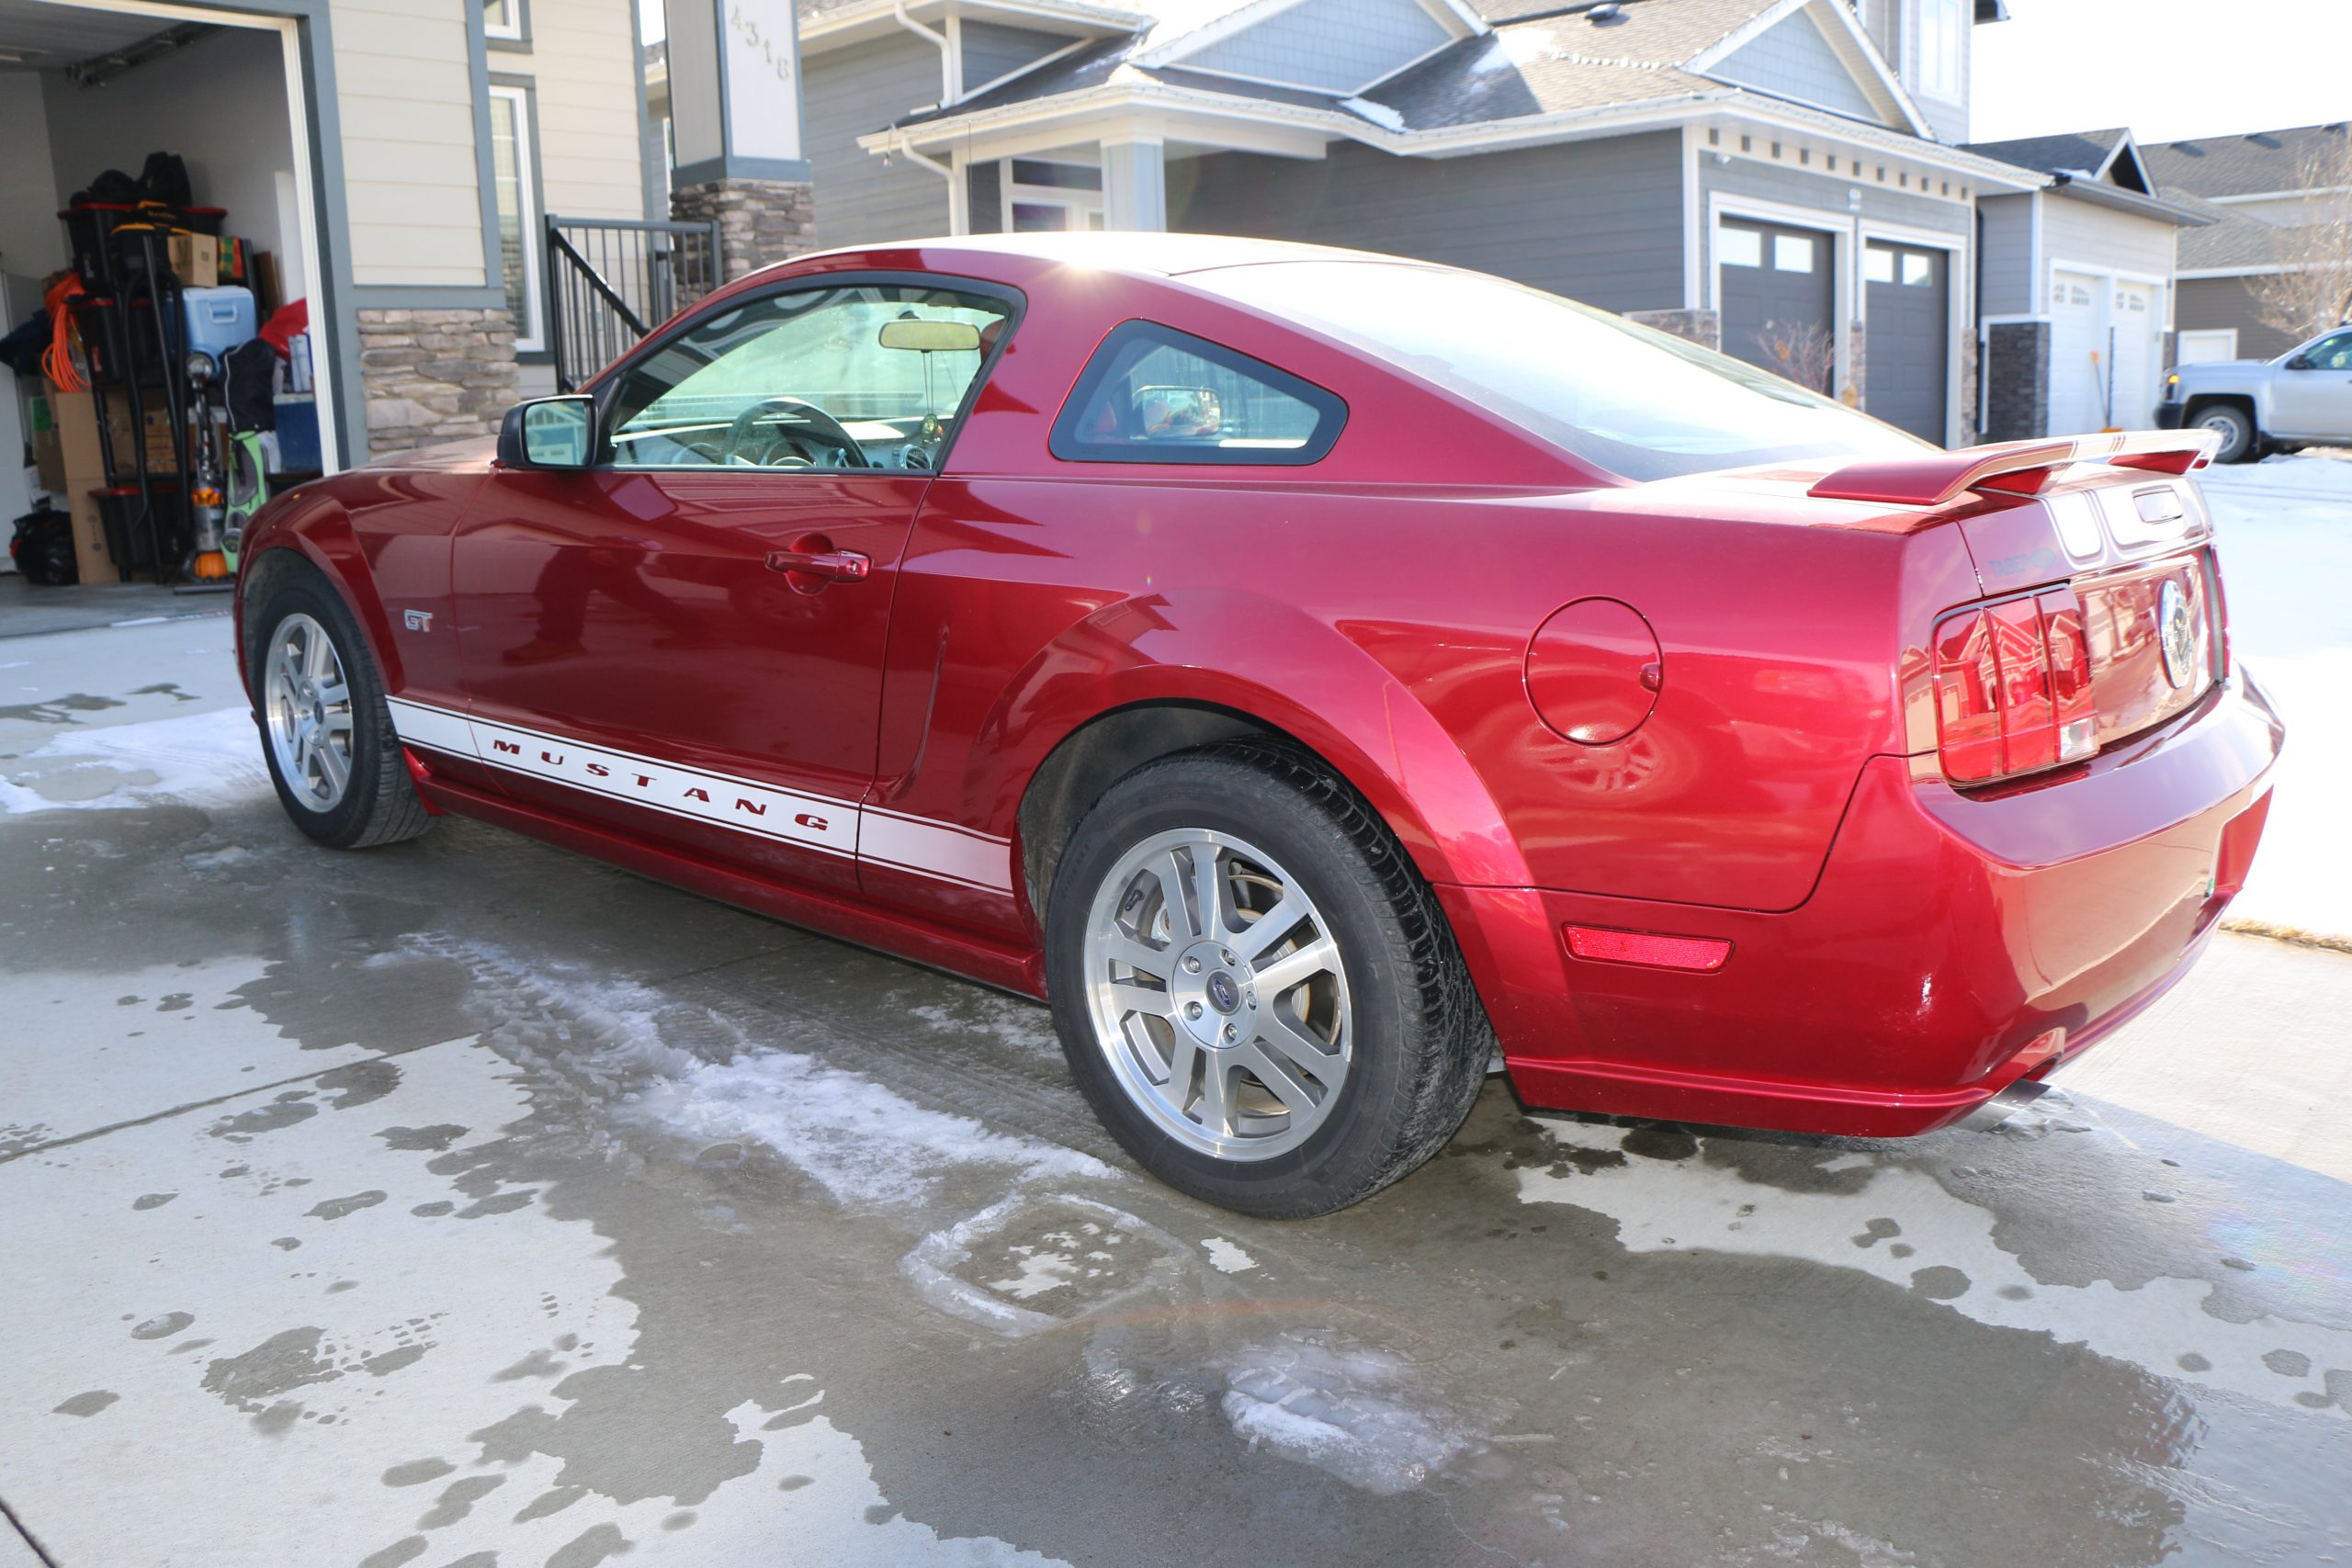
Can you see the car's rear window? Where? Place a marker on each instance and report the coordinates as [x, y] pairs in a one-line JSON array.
[[1632, 401], [1152, 394]]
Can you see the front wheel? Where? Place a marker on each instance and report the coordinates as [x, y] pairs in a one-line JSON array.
[[2235, 426], [1255, 989], [327, 731]]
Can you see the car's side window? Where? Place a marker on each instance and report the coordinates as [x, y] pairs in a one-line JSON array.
[[1152, 394], [2333, 353], [857, 376]]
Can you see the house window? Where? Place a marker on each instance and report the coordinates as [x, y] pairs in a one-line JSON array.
[[1043, 198], [503, 19], [518, 212], [1943, 47]]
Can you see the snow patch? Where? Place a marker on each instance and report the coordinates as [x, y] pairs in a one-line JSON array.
[[200, 759], [1380, 115], [1227, 1257], [1354, 1411]]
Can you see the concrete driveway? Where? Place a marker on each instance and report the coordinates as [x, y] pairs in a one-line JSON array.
[[469, 1204]]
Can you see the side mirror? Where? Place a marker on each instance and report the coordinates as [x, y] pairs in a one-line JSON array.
[[549, 433], [2299, 362]]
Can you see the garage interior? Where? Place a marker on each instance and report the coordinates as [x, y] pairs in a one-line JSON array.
[[158, 259]]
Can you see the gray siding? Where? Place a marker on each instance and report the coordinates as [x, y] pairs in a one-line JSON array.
[[1600, 221], [1337, 46], [849, 92], [1792, 59], [992, 50], [2005, 257], [2208, 302], [2100, 237]]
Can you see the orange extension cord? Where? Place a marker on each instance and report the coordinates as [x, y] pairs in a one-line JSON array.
[[57, 359]]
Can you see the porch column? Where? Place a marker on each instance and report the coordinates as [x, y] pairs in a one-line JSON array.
[[1135, 185], [735, 113]]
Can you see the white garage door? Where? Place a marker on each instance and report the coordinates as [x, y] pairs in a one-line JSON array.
[[2103, 352], [2077, 352]]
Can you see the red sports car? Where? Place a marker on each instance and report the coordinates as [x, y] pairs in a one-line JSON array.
[[1304, 670]]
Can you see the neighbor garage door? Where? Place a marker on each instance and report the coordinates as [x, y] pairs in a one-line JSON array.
[[2077, 354], [1908, 343], [1779, 304]]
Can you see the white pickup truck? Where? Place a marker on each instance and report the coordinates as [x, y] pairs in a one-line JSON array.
[[2303, 398]]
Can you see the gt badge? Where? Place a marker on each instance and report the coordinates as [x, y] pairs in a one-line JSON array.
[[418, 620]]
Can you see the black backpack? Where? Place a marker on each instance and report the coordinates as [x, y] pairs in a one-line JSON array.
[[43, 547]]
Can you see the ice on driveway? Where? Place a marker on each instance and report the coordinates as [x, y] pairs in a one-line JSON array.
[[2284, 531]]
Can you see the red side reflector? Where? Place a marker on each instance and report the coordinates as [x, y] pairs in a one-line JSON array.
[[1704, 955]]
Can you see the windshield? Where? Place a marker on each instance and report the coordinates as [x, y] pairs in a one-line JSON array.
[[1634, 400]]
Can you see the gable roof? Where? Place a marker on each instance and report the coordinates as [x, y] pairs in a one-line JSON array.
[[2098, 166], [1529, 58], [2258, 161]]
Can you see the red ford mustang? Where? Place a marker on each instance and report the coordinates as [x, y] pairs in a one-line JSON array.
[[1304, 669]]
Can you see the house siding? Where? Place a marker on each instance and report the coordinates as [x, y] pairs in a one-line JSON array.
[[2076, 233], [2213, 302], [406, 105], [1338, 46], [1600, 221], [2004, 256], [992, 50], [852, 92], [1792, 60], [581, 73]]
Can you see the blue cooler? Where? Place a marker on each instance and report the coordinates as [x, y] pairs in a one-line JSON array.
[[218, 319]]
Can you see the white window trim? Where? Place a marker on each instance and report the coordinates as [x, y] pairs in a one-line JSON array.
[[1079, 203], [512, 29], [535, 304]]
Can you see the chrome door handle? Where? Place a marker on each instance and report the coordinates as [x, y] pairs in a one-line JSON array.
[[834, 566]]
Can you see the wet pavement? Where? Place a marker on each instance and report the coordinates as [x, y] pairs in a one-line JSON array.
[[467, 1202]]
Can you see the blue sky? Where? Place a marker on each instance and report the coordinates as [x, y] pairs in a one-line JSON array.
[[2168, 69]]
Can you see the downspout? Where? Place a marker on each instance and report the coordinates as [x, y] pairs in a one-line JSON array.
[[949, 88], [959, 202]]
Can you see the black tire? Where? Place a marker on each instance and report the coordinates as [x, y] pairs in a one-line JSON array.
[[1421, 1039], [379, 805], [2240, 442]]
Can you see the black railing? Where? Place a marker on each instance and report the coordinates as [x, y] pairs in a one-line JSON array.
[[611, 281]]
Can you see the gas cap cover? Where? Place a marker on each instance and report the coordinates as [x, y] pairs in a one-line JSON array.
[[1594, 670]]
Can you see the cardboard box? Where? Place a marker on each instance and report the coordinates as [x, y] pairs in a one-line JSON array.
[[90, 552], [195, 258], [78, 436]]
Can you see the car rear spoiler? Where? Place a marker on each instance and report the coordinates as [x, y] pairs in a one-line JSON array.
[[2021, 467]]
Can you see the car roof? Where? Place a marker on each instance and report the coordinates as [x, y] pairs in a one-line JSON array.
[[1134, 252]]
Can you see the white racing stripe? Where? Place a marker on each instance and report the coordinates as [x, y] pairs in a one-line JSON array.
[[829, 825]]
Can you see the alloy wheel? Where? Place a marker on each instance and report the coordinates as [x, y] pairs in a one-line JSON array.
[[1218, 993], [306, 703]]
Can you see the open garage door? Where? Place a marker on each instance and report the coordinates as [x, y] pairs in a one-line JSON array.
[[161, 173], [1908, 299]]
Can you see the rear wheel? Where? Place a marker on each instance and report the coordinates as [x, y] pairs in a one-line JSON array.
[[2233, 426], [326, 732], [1255, 989]]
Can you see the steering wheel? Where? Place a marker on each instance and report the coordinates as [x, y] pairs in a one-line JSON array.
[[818, 423]]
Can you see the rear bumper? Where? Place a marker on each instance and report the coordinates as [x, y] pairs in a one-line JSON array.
[[1954, 944]]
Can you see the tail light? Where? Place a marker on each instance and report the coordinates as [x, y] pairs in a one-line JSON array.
[[2013, 688]]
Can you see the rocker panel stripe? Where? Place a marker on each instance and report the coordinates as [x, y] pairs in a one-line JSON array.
[[944, 850]]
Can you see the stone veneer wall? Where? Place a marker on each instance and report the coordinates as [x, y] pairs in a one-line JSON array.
[[1704, 328], [760, 221], [2017, 381], [432, 376]]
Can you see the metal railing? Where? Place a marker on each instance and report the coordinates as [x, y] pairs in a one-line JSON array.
[[611, 280]]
